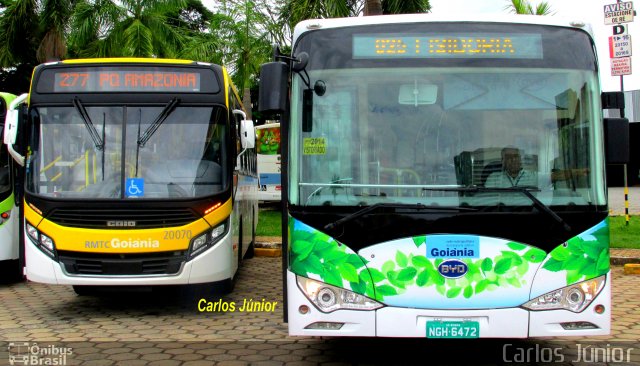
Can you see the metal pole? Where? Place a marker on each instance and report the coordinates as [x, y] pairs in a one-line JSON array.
[[626, 197]]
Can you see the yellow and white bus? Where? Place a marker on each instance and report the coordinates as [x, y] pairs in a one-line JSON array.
[[138, 172]]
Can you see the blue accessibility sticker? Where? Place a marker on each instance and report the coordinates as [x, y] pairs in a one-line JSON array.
[[134, 187]]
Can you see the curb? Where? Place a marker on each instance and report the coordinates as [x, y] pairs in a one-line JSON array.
[[622, 261], [267, 252], [632, 269]]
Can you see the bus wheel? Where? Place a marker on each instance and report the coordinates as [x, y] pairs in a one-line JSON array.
[[10, 271], [85, 290]]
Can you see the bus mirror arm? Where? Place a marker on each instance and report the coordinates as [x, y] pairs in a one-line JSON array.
[[11, 127]]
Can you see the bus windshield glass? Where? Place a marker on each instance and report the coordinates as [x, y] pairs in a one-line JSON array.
[[99, 154], [420, 113]]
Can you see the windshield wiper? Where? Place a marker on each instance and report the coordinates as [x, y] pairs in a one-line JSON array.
[[95, 136], [416, 206], [166, 111], [525, 190]]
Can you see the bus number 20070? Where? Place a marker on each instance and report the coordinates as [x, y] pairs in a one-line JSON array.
[[177, 234]]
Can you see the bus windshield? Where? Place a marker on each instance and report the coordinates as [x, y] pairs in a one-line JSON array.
[[98, 155], [395, 126]]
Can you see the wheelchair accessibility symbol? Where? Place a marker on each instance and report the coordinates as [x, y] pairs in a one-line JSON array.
[[134, 187]]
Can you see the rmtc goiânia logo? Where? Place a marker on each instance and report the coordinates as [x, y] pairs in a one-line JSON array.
[[25, 353]]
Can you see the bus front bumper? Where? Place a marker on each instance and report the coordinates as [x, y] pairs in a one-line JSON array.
[[409, 322], [212, 265]]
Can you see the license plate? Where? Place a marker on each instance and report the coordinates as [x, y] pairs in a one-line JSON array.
[[467, 329]]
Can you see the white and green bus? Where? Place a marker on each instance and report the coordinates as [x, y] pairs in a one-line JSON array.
[[401, 219], [9, 208]]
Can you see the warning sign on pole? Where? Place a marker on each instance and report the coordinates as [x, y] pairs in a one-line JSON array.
[[618, 13], [621, 66]]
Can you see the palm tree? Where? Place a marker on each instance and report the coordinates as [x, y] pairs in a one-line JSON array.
[[138, 28], [525, 7]]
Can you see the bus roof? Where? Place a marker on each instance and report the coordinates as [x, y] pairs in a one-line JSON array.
[[316, 24], [124, 60]]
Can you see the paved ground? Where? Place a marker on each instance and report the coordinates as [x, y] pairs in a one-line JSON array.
[[167, 329], [616, 200]]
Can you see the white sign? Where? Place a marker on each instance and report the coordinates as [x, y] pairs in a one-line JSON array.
[[621, 66], [620, 46], [618, 13]]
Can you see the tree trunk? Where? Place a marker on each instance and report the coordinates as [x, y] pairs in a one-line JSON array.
[[246, 102], [373, 7]]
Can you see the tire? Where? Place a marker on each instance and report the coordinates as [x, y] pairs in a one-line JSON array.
[[85, 290], [10, 271]]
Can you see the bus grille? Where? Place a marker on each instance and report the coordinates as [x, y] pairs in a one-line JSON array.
[[165, 263], [132, 218]]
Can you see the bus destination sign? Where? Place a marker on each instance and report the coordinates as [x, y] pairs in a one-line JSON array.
[[118, 80], [520, 46]]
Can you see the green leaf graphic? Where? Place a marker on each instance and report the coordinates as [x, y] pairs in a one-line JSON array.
[[502, 266], [401, 259], [407, 274], [420, 261], [516, 246], [419, 240], [376, 275], [535, 255], [487, 264], [388, 266], [386, 290], [553, 265], [482, 285], [349, 272], [423, 278], [453, 292], [468, 292], [560, 253]]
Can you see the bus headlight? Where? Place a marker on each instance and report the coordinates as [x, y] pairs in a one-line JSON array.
[[42, 241], [575, 298], [207, 239], [328, 298]]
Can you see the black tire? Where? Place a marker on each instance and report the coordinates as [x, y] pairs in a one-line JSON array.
[[10, 271], [85, 290]]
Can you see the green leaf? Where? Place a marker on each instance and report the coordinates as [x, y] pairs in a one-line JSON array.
[[423, 278], [386, 290], [487, 264], [515, 258], [453, 292], [468, 292], [514, 281], [535, 255], [392, 277], [573, 277], [516, 246], [419, 240], [335, 256], [441, 289], [576, 246], [388, 266], [355, 260], [401, 259], [560, 253], [420, 261], [523, 268], [438, 262], [576, 263], [302, 248], [349, 272], [604, 263], [407, 274], [376, 275], [482, 285], [358, 287], [332, 278], [438, 280], [593, 249], [502, 266], [553, 265], [314, 265], [298, 268]]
